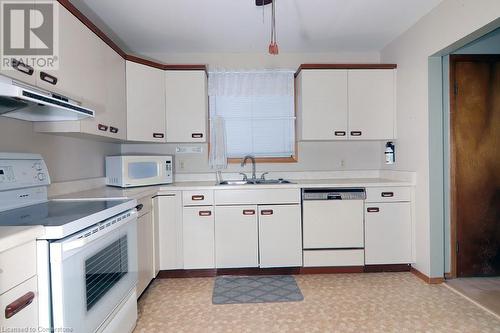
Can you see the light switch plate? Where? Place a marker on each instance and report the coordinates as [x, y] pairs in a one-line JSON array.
[[188, 149]]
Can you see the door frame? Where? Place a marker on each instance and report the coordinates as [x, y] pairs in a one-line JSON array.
[[454, 226]]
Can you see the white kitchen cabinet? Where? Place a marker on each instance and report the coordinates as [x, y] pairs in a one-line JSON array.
[[198, 237], [322, 104], [145, 103], [186, 105], [280, 236], [27, 316], [388, 233], [340, 104], [168, 232], [371, 104], [236, 237], [145, 250]]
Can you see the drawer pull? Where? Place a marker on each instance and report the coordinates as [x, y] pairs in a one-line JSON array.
[[204, 213], [48, 78], [158, 135], [197, 135], [339, 133], [113, 129], [356, 133], [373, 209], [267, 212], [22, 67], [197, 197], [19, 304], [102, 127], [387, 194], [248, 212], [139, 207]]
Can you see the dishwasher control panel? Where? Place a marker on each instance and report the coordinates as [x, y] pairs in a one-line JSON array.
[[333, 194]]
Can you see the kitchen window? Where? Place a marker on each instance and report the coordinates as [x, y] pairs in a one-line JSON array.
[[257, 109]]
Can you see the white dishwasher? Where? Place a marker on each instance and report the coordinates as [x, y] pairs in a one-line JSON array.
[[333, 226]]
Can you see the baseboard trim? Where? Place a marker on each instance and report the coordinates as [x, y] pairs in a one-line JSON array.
[[425, 278], [191, 273]]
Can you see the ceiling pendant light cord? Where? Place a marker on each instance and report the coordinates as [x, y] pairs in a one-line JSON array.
[[273, 46]]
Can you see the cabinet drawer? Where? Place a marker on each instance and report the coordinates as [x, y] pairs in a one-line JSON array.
[[256, 197], [147, 205], [197, 198], [13, 271], [332, 258], [388, 194], [19, 307]]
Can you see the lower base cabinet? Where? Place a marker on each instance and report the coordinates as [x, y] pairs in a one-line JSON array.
[[198, 237], [388, 234], [236, 237], [145, 250], [280, 236]]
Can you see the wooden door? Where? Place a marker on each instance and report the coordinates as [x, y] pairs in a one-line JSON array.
[[475, 162]]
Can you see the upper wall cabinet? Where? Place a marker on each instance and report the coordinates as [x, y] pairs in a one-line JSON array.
[[341, 104], [322, 104], [93, 74], [145, 103], [186, 105], [371, 104]]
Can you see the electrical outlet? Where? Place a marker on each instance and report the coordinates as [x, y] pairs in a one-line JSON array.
[[181, 164], [342, 163]]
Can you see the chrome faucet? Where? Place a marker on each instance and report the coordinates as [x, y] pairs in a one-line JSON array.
[[244, 162]]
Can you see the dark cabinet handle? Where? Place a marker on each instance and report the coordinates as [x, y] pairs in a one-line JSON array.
[[356, 133], [387, 194], [197, 197], [204, 213], [197, 135], [339, 133], [48, 78], [373, 209], [22, 67], [139, 207], [248, 212], [102, 127], [19, 304], [158, 135], [267, 212], [113, 129]]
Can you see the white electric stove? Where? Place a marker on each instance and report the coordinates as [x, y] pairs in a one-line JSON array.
[[87, 256]]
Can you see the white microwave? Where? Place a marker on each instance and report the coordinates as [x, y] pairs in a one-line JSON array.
[[130, 170]]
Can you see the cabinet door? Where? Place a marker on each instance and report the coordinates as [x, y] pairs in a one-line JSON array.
[[280, 237], [322, 99], [80, 63], [236, 237], [145, 103], [388, 236], [198, 237], [144, 252], [371, 104], [168, 232], [186, 106], [27, 317]]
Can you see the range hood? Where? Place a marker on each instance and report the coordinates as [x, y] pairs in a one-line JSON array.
[[21, 101]]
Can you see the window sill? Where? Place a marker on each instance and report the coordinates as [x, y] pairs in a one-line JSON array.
[[291, 159]]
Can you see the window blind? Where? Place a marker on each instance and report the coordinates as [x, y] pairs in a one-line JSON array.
[[257, 124]]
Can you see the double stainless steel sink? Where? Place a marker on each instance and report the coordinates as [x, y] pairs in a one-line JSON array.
[[255, 182]]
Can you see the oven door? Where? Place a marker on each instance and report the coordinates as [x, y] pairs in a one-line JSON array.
[[92, 272]]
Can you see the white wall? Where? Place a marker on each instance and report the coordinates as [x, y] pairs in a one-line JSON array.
[[451, 21], [67, 158], [313, 156]]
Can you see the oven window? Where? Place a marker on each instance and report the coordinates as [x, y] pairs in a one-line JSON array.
[[140, 170], [104, 269]]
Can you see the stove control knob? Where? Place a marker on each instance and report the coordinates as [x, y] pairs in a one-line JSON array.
[[41, 176], [37, 166]]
